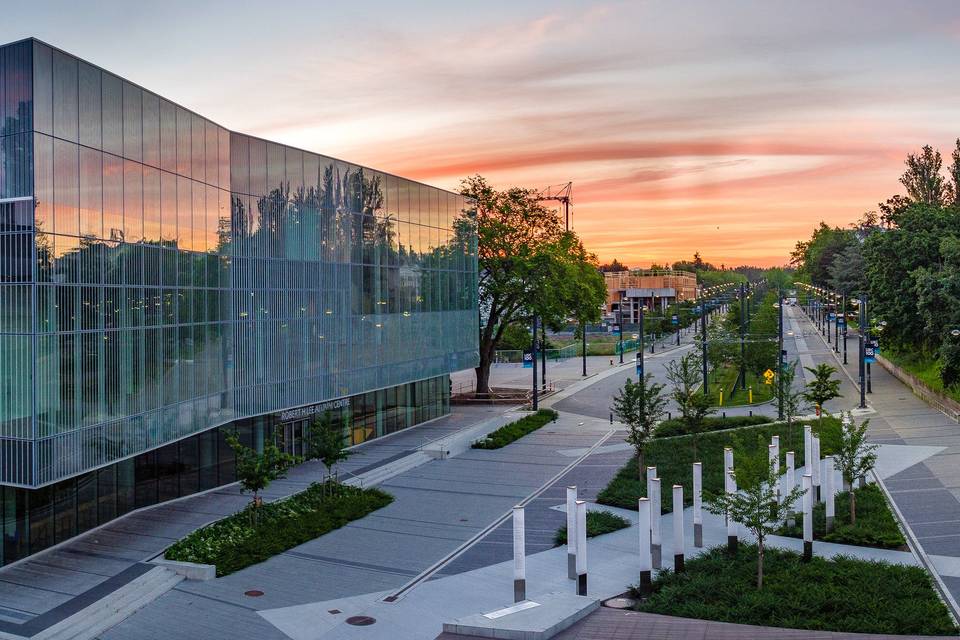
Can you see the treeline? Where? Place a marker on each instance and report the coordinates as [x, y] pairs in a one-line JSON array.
[[708, 274], [906, 257]]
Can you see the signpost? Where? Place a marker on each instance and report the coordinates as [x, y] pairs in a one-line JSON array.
[[527, 359], [639, 364], [768, 376]]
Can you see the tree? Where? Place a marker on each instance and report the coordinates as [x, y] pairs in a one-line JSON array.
[[613, 267], [640, 406], [854, 457], [923, 181], [937, 294], [684, 374], [255, 471], [755, 505], [848, 272], [526, 261], [822, 388], [792, 398], [955, 174], [326, 442]]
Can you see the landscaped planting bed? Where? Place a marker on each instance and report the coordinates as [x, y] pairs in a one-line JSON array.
[[516, 430], [842, 594], [676, 426], [236, 542], [875, 526], [598, 523], [674, 457]]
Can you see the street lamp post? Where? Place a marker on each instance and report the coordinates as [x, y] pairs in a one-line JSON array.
[[533, 361], [836, 326], [844, 305], [676, 298], [584, 350], [703, 343], [862, 368], [640, 344], [780, 354], [743, 346], [826, 317]]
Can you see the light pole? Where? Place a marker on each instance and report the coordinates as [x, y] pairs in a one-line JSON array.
[[836, 326], [862, 368], [653, 343], [533, 361], [743, 346], [584, 344], [620, 326], [844, 305], [676, 297], [703, 343], [780, 354], [640, 344]]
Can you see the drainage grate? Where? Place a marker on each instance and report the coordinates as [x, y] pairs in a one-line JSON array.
[[253, 593], [361, 621]]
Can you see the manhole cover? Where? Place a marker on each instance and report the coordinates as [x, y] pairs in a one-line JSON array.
[[253, 593], [361, 621], [620, 603]]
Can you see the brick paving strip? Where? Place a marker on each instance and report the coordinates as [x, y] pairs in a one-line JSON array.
[[615, 624]]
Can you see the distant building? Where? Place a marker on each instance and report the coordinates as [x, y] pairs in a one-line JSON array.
[[650, 288]]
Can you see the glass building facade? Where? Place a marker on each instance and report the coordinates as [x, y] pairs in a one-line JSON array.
[[163, 279]]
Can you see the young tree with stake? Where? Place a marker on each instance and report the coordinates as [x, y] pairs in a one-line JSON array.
[[755, 505], [640, 406], [822, 388], [855, 457], [684, 374], [794, 400], [326, 442], [255, 471]]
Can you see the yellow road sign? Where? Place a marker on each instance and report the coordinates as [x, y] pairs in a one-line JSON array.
[[768, 377]]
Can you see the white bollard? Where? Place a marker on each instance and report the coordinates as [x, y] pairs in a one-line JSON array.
[[678, 528], [807, 444], [731, 486], [572, 532], [697, 505], [829, 490], [815, 464], [727, 460], [651, 474], [774, 461], [581, 548], [789, 481], [656, 509], [519, 557], [646, 559], [807, 516]]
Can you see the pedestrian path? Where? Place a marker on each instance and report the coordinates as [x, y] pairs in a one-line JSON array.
[[55, 583], [926, 495]]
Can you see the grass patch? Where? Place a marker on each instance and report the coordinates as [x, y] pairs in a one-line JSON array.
[[598, 523], [516, 430], [673, 458], [677, 427], [842, 594], [725, 378], [923, 366], [875, 527], [234, 543]]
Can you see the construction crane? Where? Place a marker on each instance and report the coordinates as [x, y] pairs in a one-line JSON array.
[[562, 193]]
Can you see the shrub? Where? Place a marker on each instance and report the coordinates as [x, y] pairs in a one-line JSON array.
[[598, 523], [233, 543], [875, 527], [676, 426], [842, 594], [516, 430]]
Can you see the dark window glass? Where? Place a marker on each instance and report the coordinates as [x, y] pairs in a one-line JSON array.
[[145, 469], [65, 96], [226, 460], [132, 201], [126, 485], [42, 88], [168, 136], [112, 109], [43, 182], [189, 466], [86, 502], [90, 117], [107, 493], [66, 190], [168, 472], [41, 518], [16, 536], [152, 221], [132, 122], [65, 508], [184, 120], [151, 129], [91, 193]]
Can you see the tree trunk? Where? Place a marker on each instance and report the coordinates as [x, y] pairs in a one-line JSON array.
[[640, 468], [759, 563], [853, 506], [483, 375]]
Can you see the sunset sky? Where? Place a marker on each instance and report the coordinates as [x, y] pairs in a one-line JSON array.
[[728, 128]]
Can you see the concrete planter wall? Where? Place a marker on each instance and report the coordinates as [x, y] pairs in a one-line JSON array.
[[936, 399], [189, 570]]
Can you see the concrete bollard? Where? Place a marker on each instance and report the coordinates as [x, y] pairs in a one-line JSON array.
[[807, 444], [774, 462], [519, 557], [829, 491], [789, 481], [572, 532], [581, 548], [678, 528], [656, 510], [807, 516], [731, 486], [697, 505], [646, 559], [815, 467]]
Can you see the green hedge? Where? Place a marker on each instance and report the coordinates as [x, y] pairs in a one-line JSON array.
[[841, 594], [875, 527], [234, 543], [674, 457], [677, 427], [516, 430], [598, 523]]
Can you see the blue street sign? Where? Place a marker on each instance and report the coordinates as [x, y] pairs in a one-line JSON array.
[[639, 365], [674, 319], [527, 360], [868, 354], [841, 323], [831, 316]]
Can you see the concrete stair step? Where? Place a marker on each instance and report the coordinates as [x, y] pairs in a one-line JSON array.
[[109, 611]]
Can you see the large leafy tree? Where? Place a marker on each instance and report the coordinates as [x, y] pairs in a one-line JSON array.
[[640, 406], [923, 181], [528, 264], [814, 257]]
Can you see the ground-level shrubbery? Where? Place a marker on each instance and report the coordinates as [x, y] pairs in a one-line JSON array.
[[247, 538], [677, 427], [875, 526], [842, 594], [674, 457], [598, 523], [516, 430]]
